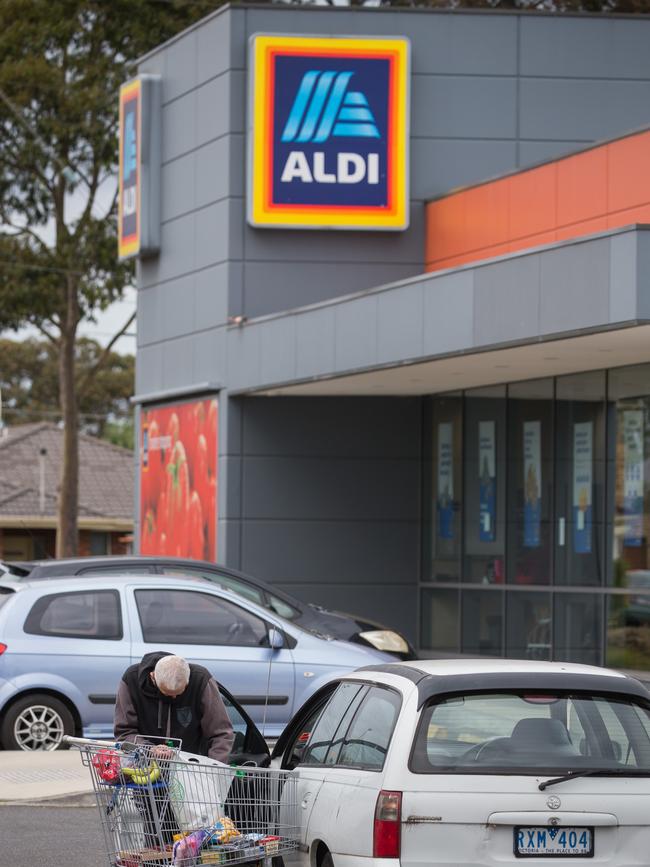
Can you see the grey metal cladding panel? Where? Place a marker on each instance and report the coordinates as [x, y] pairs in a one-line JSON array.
[[177, 299], [213, 177], [441, 42], [149, 316], [212, 226], [643, 274], [531, 152], [623, 276], [177, 185], [211, 306], [213, 109], [229, 543], [394, 605], [315, 343], [278, 350], [342, 427], [243, 356], [180, 66], [209, 355], [330, 489], [356, 333], [399, 324], [176, 252], [439, 165], [235, 288], [448, 306], [308, 246], [148, 369], [463, 107], [506, 301], [581, 109], [574, 287], [178, 362], [179, 127], [273, 286], [213, 46], [230, 469], [585, 47]]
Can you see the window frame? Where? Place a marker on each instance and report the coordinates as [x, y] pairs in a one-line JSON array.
[[367, 686], [47, 598]]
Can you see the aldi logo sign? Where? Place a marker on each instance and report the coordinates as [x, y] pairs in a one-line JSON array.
[[328, 137]]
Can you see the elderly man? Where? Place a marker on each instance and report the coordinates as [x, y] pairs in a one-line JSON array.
[[164, 696]]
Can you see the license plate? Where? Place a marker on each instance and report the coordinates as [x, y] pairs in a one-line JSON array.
[[554, 841]]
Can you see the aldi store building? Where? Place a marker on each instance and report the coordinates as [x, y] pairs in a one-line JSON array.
[[394, 317]]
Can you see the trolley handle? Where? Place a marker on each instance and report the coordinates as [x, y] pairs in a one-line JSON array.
[[87, 742]]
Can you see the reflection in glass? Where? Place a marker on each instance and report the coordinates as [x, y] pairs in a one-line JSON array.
[[530, 482], [580, 478], [482, 622], [439, 620], [628, 626], [446, 486], [528, 620], [485, 485], [577, 628]]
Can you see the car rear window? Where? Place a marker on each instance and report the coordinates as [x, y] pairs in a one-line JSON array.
[[86, 614], [531, 732]]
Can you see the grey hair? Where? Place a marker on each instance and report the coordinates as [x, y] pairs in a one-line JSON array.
[[172, 673]]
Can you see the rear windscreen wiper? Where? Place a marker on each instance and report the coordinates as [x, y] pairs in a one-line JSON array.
[[595, 772]]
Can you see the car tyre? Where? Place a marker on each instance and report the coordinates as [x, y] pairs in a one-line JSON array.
[[36, 722], [327, 860]]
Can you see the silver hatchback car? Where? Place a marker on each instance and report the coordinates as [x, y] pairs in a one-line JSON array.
[[65, 643]]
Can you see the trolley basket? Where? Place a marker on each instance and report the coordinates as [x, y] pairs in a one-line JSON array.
[[172, 812]]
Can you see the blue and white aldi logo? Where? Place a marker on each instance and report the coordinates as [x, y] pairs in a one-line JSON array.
[[329, 133]]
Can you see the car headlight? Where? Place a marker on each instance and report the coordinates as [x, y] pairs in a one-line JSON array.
[[386, 640]]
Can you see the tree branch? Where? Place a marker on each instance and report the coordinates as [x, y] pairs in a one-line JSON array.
[[25, 230], [46, 333], [85, 382]]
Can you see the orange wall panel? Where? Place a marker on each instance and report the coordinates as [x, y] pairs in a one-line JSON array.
[[602, 188], [532, 201], [582, 187], [628, 175]]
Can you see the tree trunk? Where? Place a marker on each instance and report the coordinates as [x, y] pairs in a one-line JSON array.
[[67, 536]]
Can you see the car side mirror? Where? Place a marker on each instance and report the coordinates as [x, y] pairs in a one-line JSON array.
[[276, 639]]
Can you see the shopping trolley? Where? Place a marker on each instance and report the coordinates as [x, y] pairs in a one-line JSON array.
[[171, 812]]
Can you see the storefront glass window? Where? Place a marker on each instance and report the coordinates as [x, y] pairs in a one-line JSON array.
[[577, 628], [580, 479], [446, 486], [439, 620], [628, 630], [530, 482], [482, 622], [528, 625], [484, 535]]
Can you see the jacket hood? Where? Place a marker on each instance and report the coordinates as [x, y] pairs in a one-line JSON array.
[[146, 666]]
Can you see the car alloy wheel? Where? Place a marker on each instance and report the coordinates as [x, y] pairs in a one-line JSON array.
[[36, 723]]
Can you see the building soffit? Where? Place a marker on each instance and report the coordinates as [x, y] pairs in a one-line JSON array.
[[575, 305]]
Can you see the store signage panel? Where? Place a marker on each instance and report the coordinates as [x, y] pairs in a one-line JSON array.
[[328, 133], [139, 177]]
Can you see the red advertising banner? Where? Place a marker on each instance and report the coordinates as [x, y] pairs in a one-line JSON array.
[[178, 479]]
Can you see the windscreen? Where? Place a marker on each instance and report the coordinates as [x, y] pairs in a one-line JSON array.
[[529, 732]]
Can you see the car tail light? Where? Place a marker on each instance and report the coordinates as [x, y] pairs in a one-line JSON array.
[[3, 647], [388, 819]]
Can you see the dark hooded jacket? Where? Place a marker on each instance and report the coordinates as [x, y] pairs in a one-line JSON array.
[[197, 717]]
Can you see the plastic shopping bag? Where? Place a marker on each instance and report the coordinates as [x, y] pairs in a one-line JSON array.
[[198, 790]]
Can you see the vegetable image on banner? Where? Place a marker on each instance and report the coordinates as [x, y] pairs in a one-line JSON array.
[[445, 480], [532, 483], [633, 477], [487, 480], [583, 436], [178, 480]]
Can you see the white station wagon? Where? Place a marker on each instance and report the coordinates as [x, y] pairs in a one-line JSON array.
[[473, 762]]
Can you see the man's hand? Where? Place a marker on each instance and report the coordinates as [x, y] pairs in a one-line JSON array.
[[162, 752]]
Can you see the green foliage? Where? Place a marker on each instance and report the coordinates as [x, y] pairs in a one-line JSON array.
[[29, 380]]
